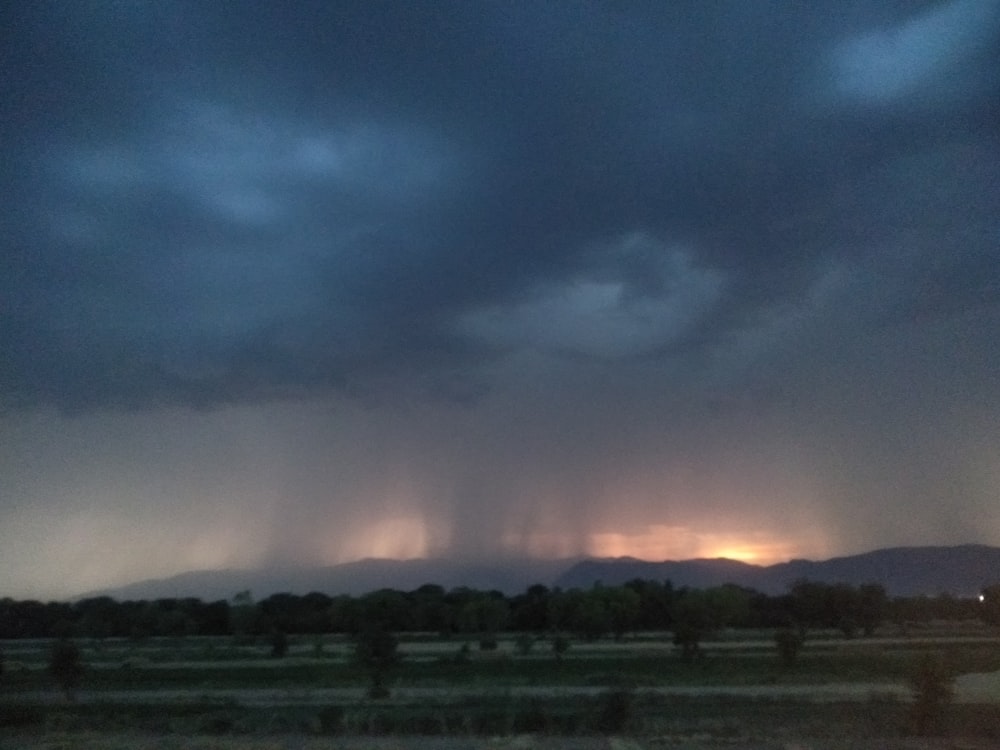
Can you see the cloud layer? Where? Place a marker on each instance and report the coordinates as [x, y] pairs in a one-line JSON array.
[[560, 256]]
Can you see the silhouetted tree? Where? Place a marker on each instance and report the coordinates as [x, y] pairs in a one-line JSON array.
[[485, 614], [560, 645], [345, 614], [388, 607], [788, 641], [561, 605], [655, 608], [622, 607], [931, 685], [279, 644], [98, 617], [66, 666], [691, 623], [376, 649], [589, 618], [431, 611], [530, 610]]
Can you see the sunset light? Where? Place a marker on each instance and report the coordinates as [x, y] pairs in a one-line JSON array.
[[660, 542]]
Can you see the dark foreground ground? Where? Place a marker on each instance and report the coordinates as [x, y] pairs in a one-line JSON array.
[[210, 694], [685, 722], [104, 741]]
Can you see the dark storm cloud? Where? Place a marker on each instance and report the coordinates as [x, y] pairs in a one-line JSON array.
[[486, 279], [218, 203]]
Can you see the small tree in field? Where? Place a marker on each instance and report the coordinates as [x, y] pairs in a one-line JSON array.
[[691, 623], [377, 649], [66, 666], [932, 686], [279, 644], [560, 645], [789, 642]]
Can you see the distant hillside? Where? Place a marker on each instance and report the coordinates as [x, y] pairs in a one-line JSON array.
[[903, 571], [354, 578]]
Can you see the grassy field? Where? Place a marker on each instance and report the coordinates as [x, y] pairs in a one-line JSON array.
[[214, 693]]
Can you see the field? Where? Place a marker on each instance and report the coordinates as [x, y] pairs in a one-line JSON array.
[[629, 695]]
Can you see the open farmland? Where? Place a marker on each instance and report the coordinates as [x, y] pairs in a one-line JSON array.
[[219, 692]]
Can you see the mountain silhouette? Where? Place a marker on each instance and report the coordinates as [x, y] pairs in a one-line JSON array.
[[904, 571]]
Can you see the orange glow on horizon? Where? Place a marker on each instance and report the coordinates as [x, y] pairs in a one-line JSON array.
[[661, 542], [411, 536]]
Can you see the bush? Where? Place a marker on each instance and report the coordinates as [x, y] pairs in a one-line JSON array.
[[524, 644]]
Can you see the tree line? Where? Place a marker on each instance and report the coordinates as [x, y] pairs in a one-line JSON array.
[[598, 612]]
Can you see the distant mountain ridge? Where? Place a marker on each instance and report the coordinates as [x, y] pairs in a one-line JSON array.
[[904, 571]]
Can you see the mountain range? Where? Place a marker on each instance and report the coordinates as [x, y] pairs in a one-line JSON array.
[[904, 571]]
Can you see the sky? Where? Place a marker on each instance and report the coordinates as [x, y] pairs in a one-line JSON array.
[[297, 283]]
